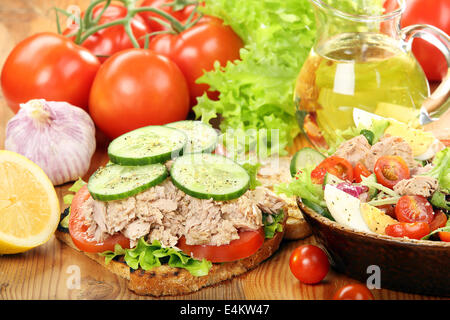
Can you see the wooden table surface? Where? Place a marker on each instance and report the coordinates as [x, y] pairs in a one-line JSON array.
[[43, 272]]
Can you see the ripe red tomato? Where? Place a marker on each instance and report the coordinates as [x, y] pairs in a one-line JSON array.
[[390, 170], [354, 291], [414, 209], [161, 5], [196, 49], [432, 12], [136, 88], [110, 40], [309, 264], [444, 236], [439, 221], [388, 209], [78, 229], [48, 66], [360, 170], [337, 166], [248, 243], [415, 230]]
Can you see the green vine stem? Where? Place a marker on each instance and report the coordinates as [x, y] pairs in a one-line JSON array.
[[88, 25]]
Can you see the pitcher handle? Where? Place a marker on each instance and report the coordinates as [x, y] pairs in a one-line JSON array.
[[436, 104]]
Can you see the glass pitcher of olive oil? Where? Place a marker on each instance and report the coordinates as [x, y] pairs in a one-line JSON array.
[[362, 59]]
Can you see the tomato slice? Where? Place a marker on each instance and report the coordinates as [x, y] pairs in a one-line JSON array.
[[390, 170], [313, 132], [444, 236], [337, 166], [78, 229], [415, 230], [414, 209], [360, 170], [248, 243], [439, 221]]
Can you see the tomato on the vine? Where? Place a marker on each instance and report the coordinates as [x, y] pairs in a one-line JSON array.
[[136, 88], [354, 291], [149, 17], [48, 66], [196, 49], [309, 264], [110, 40]]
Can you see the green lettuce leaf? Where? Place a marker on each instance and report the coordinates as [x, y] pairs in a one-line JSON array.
[[256, 93], [252, 170], [275, 225], [441, 170], [303, 187], [67, 199], [147, 256], [377, 129]]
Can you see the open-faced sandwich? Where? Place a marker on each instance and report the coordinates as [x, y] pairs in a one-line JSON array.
[[381, 177], [170, 216]]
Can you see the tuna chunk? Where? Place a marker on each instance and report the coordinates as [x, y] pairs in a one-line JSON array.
[[353, 150], [417, 185], [390, 146], [165, 213]]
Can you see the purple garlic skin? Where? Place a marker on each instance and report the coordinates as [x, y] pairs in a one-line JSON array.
[[57, 136]]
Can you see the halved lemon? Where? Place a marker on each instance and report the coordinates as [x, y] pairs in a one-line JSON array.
[[29, 206]]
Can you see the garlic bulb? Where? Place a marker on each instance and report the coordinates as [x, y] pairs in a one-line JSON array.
[[58, 137]]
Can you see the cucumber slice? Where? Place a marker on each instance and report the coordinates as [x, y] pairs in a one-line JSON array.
[[202, 138], [372, 190], [114, 182], [206, 176], [147, 145], [305, 157]]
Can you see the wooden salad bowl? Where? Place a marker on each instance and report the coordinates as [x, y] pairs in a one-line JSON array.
[[414, 266]]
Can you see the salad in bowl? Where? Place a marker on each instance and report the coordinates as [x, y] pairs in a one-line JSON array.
[[381, 177], [377, 200]]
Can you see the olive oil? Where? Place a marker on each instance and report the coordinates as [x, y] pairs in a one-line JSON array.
[[363, 70]]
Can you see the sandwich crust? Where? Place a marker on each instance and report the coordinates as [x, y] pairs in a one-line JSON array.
[[275, 171], [166, 281]]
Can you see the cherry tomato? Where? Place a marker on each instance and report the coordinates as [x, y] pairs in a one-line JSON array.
[[78, 229], [388, 209], [110, 40], [390, 170], [248, 243], [196, 49], [360, 170], [432, 12], [337, 166], [309, 264], [48, 66], [415, 230], [414, 209], [444, 236], [354, 291], [136, 88], [439, 221]]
